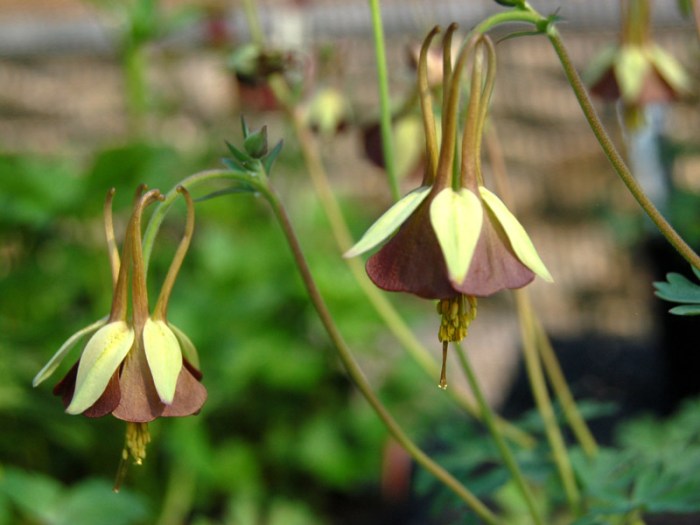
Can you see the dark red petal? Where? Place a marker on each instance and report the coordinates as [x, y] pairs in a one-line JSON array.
[[190, 395], [656, 89], [139, 401], [607, 87], [494, 266], [66, 386], [412, 260], [107, 402]]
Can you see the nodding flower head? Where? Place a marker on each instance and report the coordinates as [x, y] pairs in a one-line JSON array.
[[454, 237], [136, 367]]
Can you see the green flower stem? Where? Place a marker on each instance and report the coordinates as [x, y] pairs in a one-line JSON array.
[[561, 389], [358, 376], [251, 14], [613, 155], [497, 435], [549, 358], [179, 493], [543, 401], [135, 84], [384, 100], [161, 210]]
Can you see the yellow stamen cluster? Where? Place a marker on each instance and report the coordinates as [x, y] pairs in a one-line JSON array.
[[137, 438], [457, 314]]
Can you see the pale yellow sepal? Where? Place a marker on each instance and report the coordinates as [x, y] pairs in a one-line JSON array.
[[631, 67], [57, 359], [164, 357], [519, 239], [389, 222], [189, 351], [670, 70], [457, 219], [102, 355]]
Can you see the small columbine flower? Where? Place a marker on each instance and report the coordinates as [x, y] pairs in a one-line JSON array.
[[141, 368], [456, 239], [637, 71]]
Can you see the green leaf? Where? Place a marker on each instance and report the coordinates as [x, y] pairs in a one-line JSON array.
[[57, 359], [677, 289], [518, 237], [389, 222], [164, 357], [457, 219], [631, 67], [686, 309], [240, 156], [102, 355], [93, 501]]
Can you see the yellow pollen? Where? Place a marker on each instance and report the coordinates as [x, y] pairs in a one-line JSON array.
[[137, 438], [456, 313]]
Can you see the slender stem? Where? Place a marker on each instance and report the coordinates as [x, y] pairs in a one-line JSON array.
[[179, 493], [161, 210], [254, 26], [384, 100], [561, 389], [549, 358], [543, 401], [490, 421], [381, 304], [614, 156], [358, 376]]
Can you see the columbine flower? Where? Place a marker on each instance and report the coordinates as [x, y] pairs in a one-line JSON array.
[[456, 240], [137, 369], [637, 71]]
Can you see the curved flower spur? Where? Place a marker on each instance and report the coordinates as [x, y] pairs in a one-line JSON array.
[[456, 239], [141, 368]]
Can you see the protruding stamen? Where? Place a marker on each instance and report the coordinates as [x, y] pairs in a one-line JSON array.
[[137, 439], [457, 314], [443, 370], [161, 307]]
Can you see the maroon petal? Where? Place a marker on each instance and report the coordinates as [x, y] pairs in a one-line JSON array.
[[412, 260], [106, 403], [190, 394], [607, 87], [139, 401], [494, 266]]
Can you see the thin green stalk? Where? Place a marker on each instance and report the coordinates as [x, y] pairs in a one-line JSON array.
[[549, 358], [384, 100], [496, 434], [538, 386], [135, 87], [561, 389], [613, 155], [358, 376], [179, 493], [251, 14]]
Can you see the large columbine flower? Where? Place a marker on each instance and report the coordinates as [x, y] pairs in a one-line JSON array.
[[137, 369], [456, 239]]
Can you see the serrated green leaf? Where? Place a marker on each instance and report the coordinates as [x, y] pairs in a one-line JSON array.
[[631, 67], [164, 357], [677, 289], [57, 359], [103, 353], [686, 309], [269, 159], [389, 222], [518, 237], [457, 218]]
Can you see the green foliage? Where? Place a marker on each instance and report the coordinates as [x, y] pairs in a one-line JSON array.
[[679, 289]]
